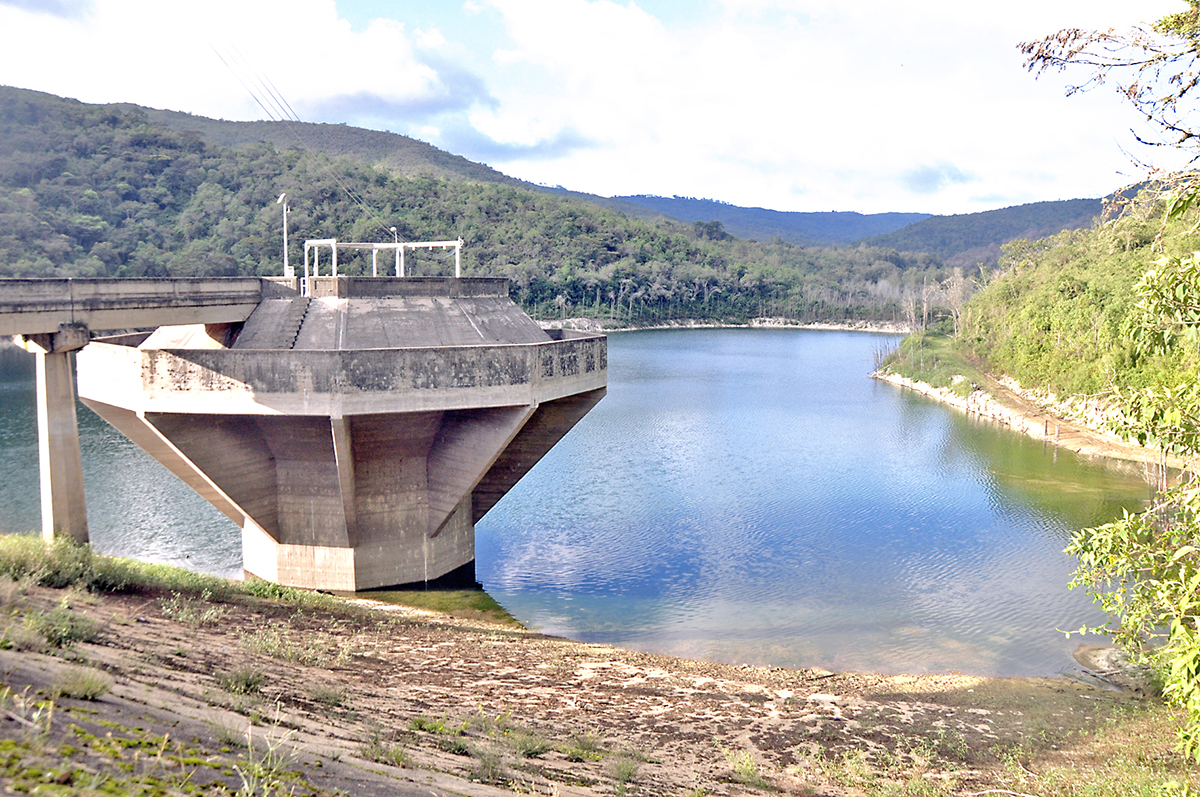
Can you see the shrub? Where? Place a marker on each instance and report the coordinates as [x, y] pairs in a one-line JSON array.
[[82, 683], [242, 681]]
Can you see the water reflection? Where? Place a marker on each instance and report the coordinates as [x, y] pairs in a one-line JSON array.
[[135, 507], [740, 495], [748, 495]]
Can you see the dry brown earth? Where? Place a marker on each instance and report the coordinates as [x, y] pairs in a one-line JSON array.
[[372, 699]]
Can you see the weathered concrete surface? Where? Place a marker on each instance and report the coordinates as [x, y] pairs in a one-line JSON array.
[[55, 317], [64, 511], [349, 465], [333, 383], [43, 305]]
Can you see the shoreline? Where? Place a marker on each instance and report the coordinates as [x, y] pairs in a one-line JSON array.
[[765, 322], [1007, 403], [354, 696]]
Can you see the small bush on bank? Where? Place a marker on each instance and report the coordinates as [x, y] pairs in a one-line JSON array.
[[61, 628], [83, 683], [244, 681]]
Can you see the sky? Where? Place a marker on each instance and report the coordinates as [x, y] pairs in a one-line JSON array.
[[796, 105]]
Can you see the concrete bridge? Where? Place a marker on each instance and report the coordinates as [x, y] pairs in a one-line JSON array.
[[355, 428]]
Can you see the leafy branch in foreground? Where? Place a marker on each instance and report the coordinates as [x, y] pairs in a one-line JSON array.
[[1156, 69], [1144, 569]]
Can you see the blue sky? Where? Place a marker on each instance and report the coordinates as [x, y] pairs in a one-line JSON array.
[[870, 106]]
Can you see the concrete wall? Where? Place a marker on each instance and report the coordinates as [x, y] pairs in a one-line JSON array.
[[350, 464], [336, 383]]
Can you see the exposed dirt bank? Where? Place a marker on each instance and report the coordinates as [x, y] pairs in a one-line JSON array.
[[600, 325], [372, 699], [1040, 417]]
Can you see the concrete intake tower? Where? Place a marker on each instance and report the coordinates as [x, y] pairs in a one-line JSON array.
[[355, 428]]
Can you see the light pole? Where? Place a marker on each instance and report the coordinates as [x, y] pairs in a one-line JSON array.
[[396, 239], [287, 270]]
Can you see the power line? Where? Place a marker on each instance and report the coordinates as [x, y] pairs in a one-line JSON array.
[[282, 111]]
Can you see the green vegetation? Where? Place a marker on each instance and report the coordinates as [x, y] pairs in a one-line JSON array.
[[972, 238], [83, 683], [60, 627], [383, 751], [1055, 315], [467, 603], [1054, 319], [584, 747], [1115, 313], [243, 681], [102, 191], [933, 358]]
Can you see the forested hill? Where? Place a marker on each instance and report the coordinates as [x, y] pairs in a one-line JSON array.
[[762, 224], [972, 238], [404, 156], [1055, 318], [94, 190], [963, 240]]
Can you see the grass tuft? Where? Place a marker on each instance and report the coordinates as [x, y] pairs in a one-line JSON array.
[[489, 766], [528, 744], [334, 696], [624, 769], [383, 751], [82, 683], [745, 769], [584, 747], [198, 612], [61, 628], [310, 652], [441, 726], [242, 681]]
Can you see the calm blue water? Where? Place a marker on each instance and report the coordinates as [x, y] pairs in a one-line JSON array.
[[135, 506], [740, 495], [750, 496]]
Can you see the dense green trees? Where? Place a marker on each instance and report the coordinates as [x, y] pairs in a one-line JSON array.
[[972, 238], [103, 191], [1054, 317]]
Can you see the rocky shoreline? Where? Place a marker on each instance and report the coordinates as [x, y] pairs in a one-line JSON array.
[[1040, 417], [597, 325]]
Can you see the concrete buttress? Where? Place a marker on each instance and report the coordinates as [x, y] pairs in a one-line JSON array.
[[357, 433]]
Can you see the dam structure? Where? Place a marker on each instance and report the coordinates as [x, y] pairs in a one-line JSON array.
[[355, 428]]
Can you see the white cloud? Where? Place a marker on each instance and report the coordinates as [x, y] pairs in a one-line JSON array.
[[792, 104], [788, 104], [166, 55]]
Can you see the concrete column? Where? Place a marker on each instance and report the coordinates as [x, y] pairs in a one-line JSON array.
[[64, 511]]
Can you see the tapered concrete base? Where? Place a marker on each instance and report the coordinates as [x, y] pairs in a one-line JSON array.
[[353, 469]]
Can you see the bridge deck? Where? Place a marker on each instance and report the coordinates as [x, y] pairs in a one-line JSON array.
[[35, 306]]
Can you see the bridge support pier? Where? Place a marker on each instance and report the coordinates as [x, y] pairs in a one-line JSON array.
[[64, 511]]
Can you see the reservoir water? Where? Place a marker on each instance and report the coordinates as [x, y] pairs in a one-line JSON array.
[[746, 496]]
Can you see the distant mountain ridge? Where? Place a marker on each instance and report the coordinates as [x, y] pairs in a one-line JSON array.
[[972, 238], [393, 152], [763, 224], [962, 240]]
